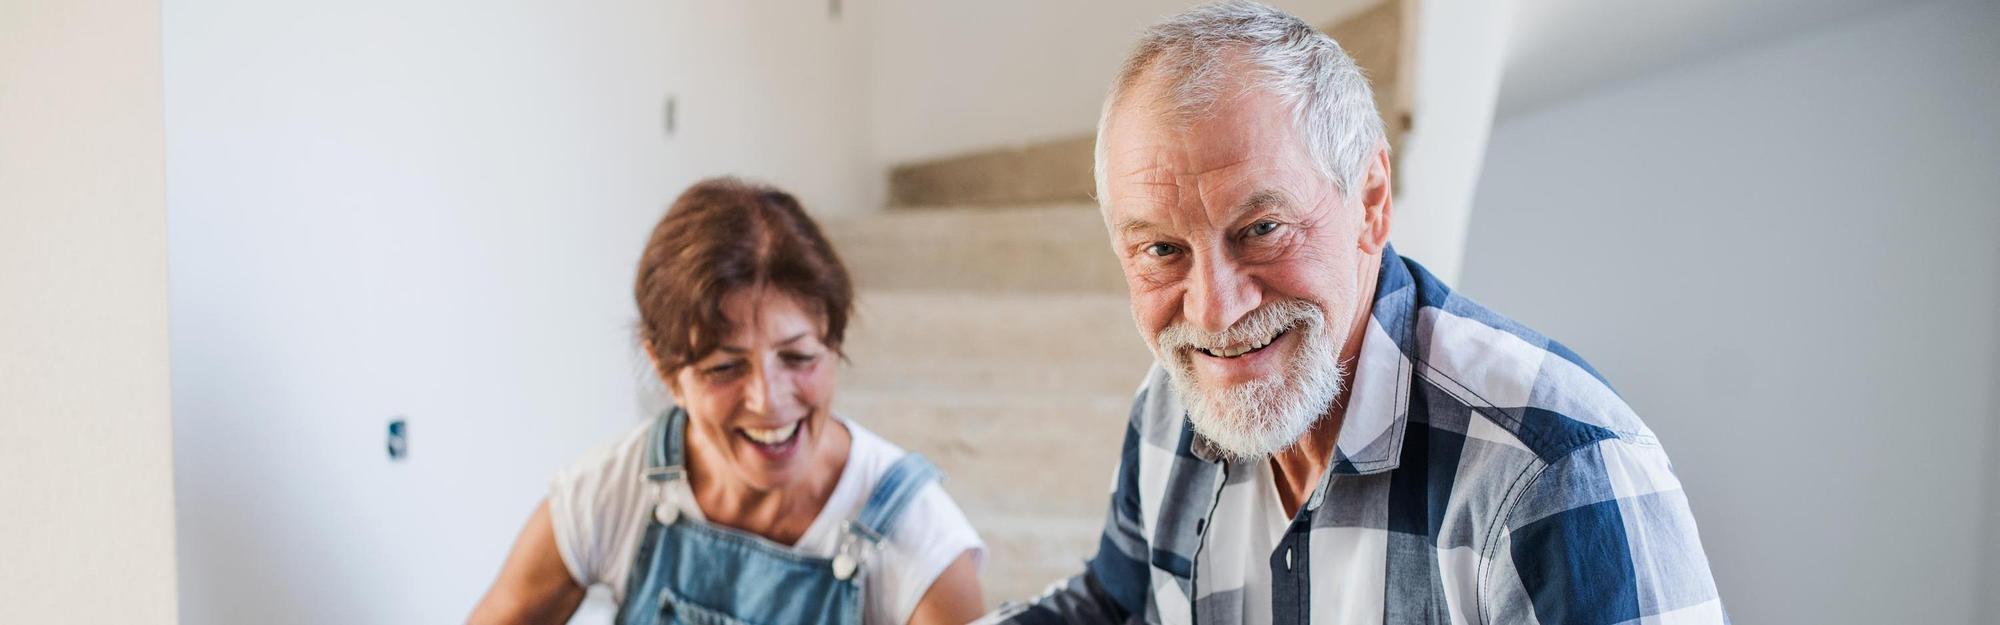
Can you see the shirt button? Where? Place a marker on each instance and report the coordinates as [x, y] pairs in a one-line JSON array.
[[1288, 558]]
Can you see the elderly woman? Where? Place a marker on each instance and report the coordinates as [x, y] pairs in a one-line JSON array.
[[749, 501]]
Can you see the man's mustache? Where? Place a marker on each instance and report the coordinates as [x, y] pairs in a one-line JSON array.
[[1263, 323]]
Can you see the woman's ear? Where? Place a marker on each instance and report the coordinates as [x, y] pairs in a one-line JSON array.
[[666, 378]]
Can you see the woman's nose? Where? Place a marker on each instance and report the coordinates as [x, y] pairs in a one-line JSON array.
[[764, 393]]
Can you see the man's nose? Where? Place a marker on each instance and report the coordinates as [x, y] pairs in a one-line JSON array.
[[1218, 294]]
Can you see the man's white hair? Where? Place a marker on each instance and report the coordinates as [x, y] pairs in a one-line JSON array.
[[1188, 57]]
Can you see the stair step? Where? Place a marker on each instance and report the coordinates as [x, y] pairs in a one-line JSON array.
[[1048, 456], [1010, 327], [940, 377], [1059, 247], [1024, 554], [1049, 171]]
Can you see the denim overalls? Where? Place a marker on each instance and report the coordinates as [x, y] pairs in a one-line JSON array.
[[695, 573]]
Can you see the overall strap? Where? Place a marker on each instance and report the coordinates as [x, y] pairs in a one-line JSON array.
[[907, 477], [667, 452]]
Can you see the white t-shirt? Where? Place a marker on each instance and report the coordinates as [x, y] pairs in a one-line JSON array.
[[1242, 533], [600, 507]]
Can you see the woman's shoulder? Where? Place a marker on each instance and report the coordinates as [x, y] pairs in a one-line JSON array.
[[597, 507], [929, 534], [932, 509], [622, 456]]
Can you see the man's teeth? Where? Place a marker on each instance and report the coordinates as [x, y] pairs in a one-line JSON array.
[[1242, 349], [771, 436]]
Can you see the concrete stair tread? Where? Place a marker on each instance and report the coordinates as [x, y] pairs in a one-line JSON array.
[[1050, 170], [957, 378], [1060, 247], [1012, 327], [1017, 454], [1027, 553]]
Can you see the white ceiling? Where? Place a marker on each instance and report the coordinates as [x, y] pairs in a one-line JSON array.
[[1561, 48]]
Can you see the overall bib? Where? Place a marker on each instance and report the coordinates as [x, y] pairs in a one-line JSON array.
[[696, 573]]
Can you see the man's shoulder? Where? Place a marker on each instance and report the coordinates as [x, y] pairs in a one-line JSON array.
[[1521, 384]]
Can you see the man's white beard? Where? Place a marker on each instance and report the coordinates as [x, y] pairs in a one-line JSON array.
[[1255, 419]]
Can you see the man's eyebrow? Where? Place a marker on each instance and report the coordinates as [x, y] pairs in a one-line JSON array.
[[1268, 199], [1135, 226]]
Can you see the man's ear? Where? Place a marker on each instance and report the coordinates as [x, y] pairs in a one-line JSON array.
[[1377, 203]]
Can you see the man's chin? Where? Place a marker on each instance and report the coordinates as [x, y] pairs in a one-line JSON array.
[[1253, 419], [1247, 420], [1240, 437], [1213, 387]]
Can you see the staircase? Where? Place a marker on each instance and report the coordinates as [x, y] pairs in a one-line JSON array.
[[994, 336], [998, 343]]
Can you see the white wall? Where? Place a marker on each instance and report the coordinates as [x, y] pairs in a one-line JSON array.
[[952, 77], [433, 210], [85, 435], [1455, 81], [1785, 260]]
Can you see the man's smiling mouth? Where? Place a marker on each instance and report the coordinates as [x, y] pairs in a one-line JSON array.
[[1239, 350]]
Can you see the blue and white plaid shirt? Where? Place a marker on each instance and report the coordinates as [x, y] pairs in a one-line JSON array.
[[1484, 474]]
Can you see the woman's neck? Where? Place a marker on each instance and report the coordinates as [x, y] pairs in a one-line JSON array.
[[781, 515]]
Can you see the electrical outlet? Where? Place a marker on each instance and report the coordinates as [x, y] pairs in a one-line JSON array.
[[671, 113], [399, 439]]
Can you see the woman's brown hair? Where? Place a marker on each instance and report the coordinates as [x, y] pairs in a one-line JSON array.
[[721, 235]]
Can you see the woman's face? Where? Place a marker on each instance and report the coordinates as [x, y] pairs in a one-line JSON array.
[[760, 400]]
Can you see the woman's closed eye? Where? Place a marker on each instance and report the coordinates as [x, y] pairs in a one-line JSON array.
[[799, 360], [723, 371]]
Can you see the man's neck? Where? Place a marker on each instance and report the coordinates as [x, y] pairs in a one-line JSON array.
[[1297, 469]]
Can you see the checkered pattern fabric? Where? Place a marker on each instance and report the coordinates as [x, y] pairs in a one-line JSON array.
[[1483, 474]]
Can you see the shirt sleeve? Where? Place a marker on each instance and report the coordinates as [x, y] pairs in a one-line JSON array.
[[932, 534], [596, 506], [1602, 535]]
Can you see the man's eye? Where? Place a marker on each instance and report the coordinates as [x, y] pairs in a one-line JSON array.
[[1162, 250], [800, 359], [1262, 228]]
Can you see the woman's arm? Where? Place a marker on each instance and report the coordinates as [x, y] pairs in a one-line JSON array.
[[534, 586], [954, 597]]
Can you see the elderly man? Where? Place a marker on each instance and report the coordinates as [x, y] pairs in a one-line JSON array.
[[1331, 435]]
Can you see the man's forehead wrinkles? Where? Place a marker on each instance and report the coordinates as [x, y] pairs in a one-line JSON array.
[[1218, 191], [1158, 168]]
